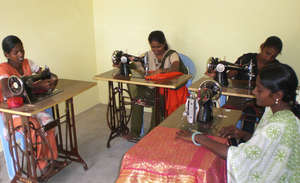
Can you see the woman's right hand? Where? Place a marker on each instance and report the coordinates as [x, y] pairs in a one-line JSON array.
[[230, 132], [210, 74], [233, 132], [116, 65]]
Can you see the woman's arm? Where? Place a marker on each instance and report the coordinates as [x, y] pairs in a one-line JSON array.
[[46, 84], [216, 147], [174, 67], [233, 132]]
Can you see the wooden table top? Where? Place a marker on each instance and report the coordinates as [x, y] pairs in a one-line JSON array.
[[222, 118], [173, 83], [70, 88], [237, 88]]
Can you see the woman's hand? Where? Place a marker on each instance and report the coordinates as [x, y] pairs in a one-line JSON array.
[[53, 82], [233, 132], [232, 73], [158, 71], [210, 74], [229, 132], [184, 134], [46, 84], [42, 84]]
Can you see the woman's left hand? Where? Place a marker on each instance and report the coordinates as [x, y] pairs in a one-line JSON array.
[[42, 84], [46, 84], [184, 134], [158, 71]]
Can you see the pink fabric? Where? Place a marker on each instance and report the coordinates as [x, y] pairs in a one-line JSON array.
[[160, 157]]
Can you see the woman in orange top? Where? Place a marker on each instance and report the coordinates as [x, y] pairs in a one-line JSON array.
[[19, 66]]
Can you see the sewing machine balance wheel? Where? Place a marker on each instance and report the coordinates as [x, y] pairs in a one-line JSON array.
[[15, 85], [213, 86]]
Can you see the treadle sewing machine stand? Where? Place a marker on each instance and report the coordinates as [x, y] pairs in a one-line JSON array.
[[118, 115], [120, 101], [24, 158], [116, 111]]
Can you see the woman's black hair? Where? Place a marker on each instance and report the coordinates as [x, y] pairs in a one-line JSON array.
[[274, 42], [159, 37], [9, 43], [281, 77]]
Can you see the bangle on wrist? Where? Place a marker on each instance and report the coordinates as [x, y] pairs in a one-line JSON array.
[[193, 138]]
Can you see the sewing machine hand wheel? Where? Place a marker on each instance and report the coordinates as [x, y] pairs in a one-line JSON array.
[[211, 64], [214, 89], [15, 85], [116, 57]]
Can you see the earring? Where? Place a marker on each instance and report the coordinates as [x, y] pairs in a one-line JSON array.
[[277, 101]]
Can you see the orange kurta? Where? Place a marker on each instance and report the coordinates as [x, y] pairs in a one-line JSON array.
[[43, 151]]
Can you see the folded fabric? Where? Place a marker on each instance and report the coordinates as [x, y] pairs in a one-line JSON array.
[[161, 76]]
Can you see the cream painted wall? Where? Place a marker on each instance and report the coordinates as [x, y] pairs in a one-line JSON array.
[[198, 28], [56, 33]]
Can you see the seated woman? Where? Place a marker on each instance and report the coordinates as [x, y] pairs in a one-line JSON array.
[[269, 50], [272, 153], [19, 66], [161, 60]]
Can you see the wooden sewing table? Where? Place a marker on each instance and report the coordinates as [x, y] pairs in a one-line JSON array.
[[66, 140], [120, 99]]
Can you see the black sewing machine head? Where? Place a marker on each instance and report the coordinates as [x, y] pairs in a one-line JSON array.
[[221, 67], [199, 108], [208, 91], [24, 86], [124, 59]]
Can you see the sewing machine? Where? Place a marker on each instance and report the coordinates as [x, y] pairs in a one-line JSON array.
[[23, 86], [221, 67], [199, 107], [124, 60]]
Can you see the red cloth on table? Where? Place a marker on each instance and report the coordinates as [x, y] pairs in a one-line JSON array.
[[161, 76], [160, 157]]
